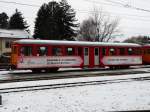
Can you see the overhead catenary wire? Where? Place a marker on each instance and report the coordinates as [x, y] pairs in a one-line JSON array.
[[114, 3], [18, 3], [83, 11], [114, 13], [129, 6]]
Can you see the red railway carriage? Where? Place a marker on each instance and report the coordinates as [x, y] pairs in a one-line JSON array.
[[146, 54], [51, 55]]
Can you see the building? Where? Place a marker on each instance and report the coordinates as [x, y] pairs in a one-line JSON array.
[[7, 36]]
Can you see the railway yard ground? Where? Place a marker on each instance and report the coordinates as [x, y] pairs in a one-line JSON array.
[[76, 90]]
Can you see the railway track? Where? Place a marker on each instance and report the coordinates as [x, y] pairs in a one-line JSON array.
[[19, 77], [64, 85]]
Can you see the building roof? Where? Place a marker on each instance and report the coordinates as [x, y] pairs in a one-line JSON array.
[[14, 34], [73, 43]]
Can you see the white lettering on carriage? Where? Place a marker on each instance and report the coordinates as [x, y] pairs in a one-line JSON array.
[[57, 61]]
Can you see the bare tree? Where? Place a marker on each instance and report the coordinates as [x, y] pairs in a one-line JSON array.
[[138, 39], [99, 27], [87, 30]]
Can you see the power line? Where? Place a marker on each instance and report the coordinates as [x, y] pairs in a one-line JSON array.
[[128, 6], [120, 4], [18, 3], [81, 11], [99, 2], [146, 1], [86, 11], [114, 2], [141, 18]]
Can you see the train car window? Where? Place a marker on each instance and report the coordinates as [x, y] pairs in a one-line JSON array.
[[112, 51], [86, 52], [79, 51], [130, 51], [26, 50], [96, 52], [137, 51], [148, 51], [56, 51], [140, 51], [42, 51], [103, 51], [121, 51], [145, 51], [70, 51]]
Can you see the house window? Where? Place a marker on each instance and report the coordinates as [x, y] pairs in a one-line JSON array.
[[7, 44]]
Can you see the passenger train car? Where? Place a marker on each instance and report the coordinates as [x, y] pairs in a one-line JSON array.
[[50, 55], [146, 54]]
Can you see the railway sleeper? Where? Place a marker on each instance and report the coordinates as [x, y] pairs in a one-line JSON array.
[[118, 67], [47, 70], [55, 69]]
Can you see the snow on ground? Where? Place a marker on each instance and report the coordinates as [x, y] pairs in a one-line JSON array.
[[97, 98], [71, 80], [3, 72], [122, 96]]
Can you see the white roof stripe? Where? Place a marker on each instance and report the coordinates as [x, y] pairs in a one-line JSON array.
[[73, 43]]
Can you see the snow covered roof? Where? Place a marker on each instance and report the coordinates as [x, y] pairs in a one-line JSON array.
[[73, 43], [14, 34]]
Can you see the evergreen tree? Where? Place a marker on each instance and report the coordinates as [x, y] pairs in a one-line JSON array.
[[45, 24], [68, 18], [17, 21], [54, 22], [3, 20]]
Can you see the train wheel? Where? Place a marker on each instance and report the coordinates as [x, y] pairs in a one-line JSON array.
[[117, 67], [36, 70], [47, 70], [51, 69], [126, 67], [111, 67]]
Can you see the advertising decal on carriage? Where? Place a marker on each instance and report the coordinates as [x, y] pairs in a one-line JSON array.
[[50, 61], [122, 60]]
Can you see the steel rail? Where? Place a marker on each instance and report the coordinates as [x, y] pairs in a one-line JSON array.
[[64, 85], [65, 76]]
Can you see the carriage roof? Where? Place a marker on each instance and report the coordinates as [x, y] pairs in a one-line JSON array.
[[73, 43]]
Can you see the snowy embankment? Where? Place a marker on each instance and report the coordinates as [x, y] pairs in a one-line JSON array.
[[133, 95]]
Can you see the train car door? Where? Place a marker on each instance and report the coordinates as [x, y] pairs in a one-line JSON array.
[[96, 56], [14, 54], [86, 56]]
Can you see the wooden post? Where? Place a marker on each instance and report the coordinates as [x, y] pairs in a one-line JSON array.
[[0, 100]]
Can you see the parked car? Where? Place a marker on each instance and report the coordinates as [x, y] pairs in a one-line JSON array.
[[5, 57], [5, 60]]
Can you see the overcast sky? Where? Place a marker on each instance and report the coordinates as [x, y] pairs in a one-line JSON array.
[[132, 21]]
